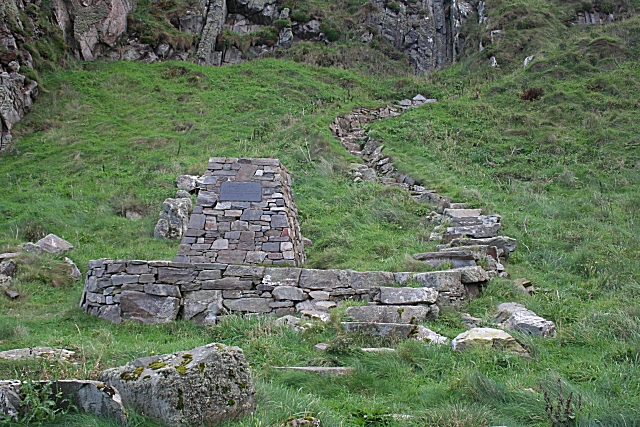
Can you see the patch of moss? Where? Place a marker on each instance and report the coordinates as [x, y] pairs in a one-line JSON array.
[[157, 365], [133, 376]]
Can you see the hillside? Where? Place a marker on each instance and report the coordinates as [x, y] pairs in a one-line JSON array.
[[561, 166]]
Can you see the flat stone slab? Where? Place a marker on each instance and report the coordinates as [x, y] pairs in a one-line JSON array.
[[378, 350], [473, 274], [487, 338], [398, 330], [427, 335], [388, 313], [462, 213], [334, 372], [507, 244], [9, 255], [390, 295], [48, 353], [447, 280], [462, 258]]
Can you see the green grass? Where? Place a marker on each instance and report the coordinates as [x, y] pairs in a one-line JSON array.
[[563, 171]]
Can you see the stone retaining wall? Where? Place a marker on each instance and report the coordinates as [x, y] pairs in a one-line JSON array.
[[161, 291]]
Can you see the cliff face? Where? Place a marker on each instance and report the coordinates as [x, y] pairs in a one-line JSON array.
[[428, 31], [17, 91]]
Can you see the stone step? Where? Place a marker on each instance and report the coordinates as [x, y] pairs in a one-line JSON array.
[[317, 369], [399, 330], [406, 295], [486, 220], [378, 350], [461, 258], [507, 244], [479, 251], [473, 231], [389, 313], [461, 213]]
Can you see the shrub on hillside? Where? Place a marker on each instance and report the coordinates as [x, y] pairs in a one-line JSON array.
[[532, 94]]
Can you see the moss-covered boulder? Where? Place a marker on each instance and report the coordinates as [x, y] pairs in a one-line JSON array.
[[204, 386]]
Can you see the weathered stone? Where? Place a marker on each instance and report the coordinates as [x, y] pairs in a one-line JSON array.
[[281, 276], [187, 182], [144, 308], [249, 305], [32, 248], [112, 313], [176, 276], [407, 295], [369, 279], [472, 274], [162, 290], [202, 307], [73, 270], [388, 314], [322, 279], [10, 401], [204, 386], [514, 316], [5, 281], [8, 268], [249, 271], [54, 244], [48, 353], [174, 219], [319, 295], [398, 330], [325, 305], [288, 293], [427, 335], [12, 294], [486, 338], [228, 283], [469, 321], [209, 275], [440, 280], [462, 213], [507, 244], [463, 258], [290, 321]]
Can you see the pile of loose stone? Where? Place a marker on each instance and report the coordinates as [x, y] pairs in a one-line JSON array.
[[50, 244]]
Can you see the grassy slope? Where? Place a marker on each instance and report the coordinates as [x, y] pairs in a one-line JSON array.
[[563, 172]]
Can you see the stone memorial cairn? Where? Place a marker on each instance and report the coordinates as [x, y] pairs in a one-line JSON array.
[[244, 214]]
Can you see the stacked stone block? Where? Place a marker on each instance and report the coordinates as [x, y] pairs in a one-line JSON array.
[[162, 291], [244, 214]]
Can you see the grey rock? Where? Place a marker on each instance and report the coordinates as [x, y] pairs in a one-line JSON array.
[[8, 268], [176, 276], [322, 279], [469, 321], [74, 271], [408, 295], [388, 314], [11, 293], [202, 307], [427, 335], [32, 248], [440, 280], [290, 321], [187, 182], [507, 244], [462, 213], [174, 219], [214, 23], [486, 338], [398, 330], [288, 293], [5, 281], [162, 290], [462, 258], [517, 317], [203, 386], [144, 308], [473, 274], [249, 305], [47, 353], [54, 244], [9, 402]]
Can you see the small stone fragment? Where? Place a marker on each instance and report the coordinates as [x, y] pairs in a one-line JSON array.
[[427, 335]]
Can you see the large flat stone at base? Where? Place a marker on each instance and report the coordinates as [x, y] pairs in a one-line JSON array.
[[390, 295], [141, 307], [388, 313], [51, 354], [440, 280], [398, 330], [204, 386]]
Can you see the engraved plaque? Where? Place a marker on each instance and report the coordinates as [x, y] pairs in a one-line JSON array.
[[241, 192]]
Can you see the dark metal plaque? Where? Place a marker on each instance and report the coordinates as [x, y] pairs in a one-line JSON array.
[[241, 192]]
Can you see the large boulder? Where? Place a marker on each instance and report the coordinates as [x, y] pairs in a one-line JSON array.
[[204, 386], [487, 338], [174, 219]]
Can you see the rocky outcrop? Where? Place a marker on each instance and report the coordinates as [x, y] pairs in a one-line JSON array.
[[174, 219], [90, 28], [428, 31], [204, 386]]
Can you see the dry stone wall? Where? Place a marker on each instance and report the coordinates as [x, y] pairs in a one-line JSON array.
[[162, 291], [244, 214]]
